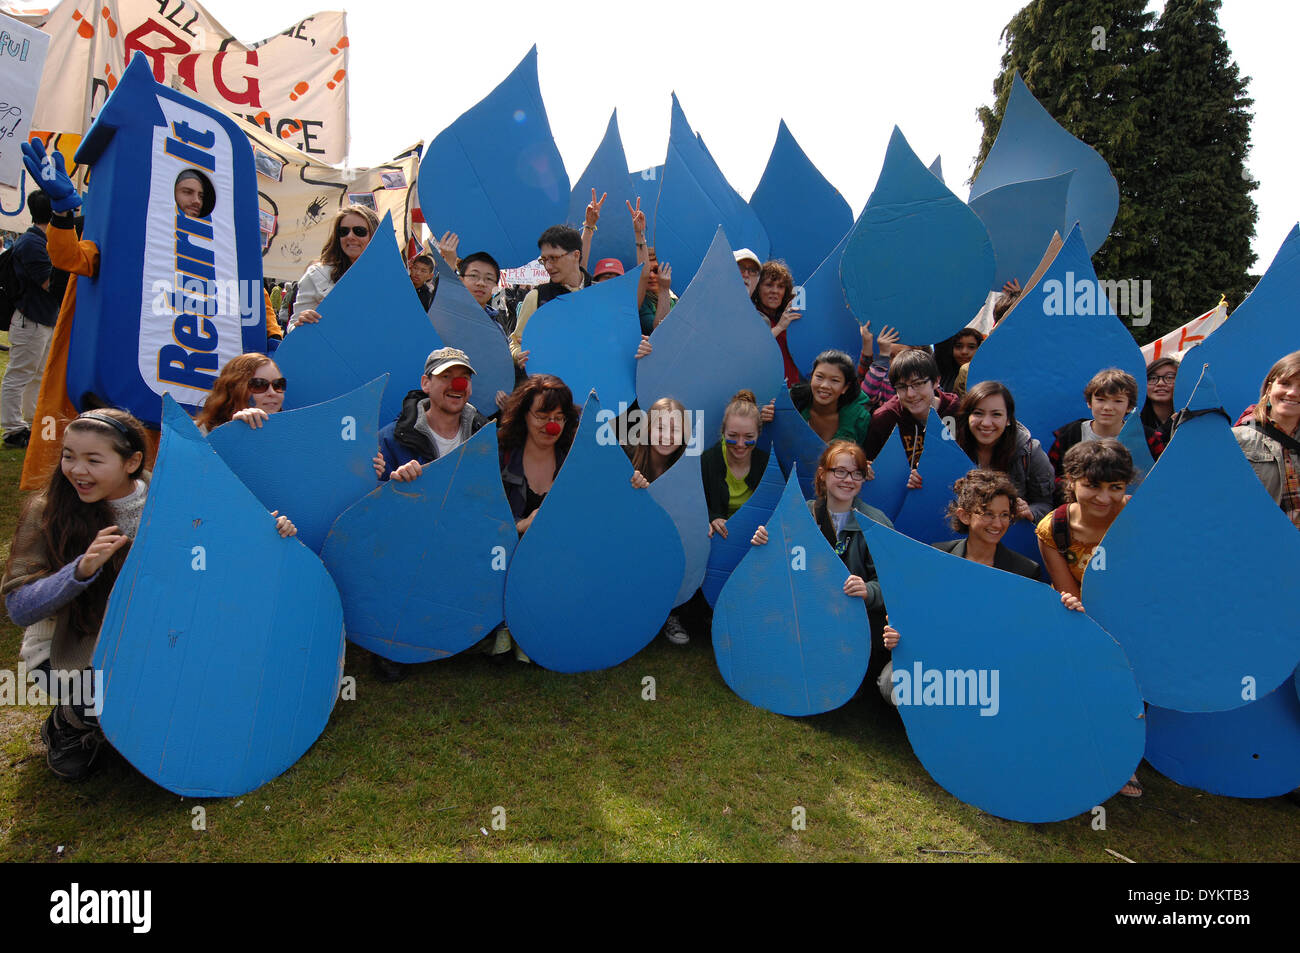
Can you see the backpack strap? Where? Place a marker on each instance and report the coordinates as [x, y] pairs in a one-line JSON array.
[[1061, 528], [1269, 430]]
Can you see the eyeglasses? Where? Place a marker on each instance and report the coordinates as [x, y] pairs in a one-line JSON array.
[[552, 259], [843, 473], [1162, 379], [361, 231], [911, 386], [750, 270], [542, 419], [481, 276], [258, 385], [732, 442]]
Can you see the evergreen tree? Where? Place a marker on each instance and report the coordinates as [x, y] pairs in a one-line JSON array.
[[1164, 106], [1207, 215]]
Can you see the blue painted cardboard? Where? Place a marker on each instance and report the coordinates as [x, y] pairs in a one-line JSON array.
[[785, 636], [589, 340], [1207, 641], [1021, 538], [403, 598], [1064, 728], [597, 572], [222, 644], [310, 464], [694, 201], [681, 494], [607, 174], [1031, 145], [942, 463], [371, 324], [936, 167], [888, 489], [825, 319], [1060, 333], [712, 344], [1260, 332], [176, 297], [1133, 436], [494, 176], [804, 215], [461, 322], [1251, 751], [1021, 218], [918, 259], [725, 554], [795, 442]]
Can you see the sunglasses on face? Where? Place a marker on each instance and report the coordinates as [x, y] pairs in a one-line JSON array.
[[361, 231], [258, 385]]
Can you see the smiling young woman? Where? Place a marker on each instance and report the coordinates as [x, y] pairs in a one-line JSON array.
[[1270, 437], [349, 234]]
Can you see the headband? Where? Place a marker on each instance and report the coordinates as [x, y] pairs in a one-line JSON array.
[[123, 429]]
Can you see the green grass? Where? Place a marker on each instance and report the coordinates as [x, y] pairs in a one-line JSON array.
[[585, 771]]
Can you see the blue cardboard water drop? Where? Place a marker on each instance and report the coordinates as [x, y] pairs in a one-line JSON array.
[[712, 344], [1062, 732], [942, 463], [798, 447], [310, 464], [589, 340], [918, 259], [681, 494], [1032, 145], [1196, 658], [607, 174], [725, 554], [222, 644], [804, 215], [494, 176], [888, 490], [371, 324], [785, 636], [694, 200], [576, 600], [1259, 333], [1064, 313], [421, 566], [825, 320], [1251, 751], [461, 322], [1021, 218]]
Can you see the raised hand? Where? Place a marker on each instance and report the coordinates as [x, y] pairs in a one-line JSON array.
[[447, 246], [49, 175], [638, 217], [101, 549], [593, 208]]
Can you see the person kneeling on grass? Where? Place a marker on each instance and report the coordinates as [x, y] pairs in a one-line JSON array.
[[841, 470], [70, 544]]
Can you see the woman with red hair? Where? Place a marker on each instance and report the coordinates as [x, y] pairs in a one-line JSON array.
[[249, 388]]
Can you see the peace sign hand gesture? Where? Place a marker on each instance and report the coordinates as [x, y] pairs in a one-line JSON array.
[[638, 218], [593, 209]]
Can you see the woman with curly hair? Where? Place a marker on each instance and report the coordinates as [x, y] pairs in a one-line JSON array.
[[538, 424], [984, 509], [249, 388], [772, 298], [349, 234]]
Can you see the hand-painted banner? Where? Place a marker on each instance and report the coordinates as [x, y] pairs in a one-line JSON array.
[[1179, 340], [22, 56], [293, 85], [178, 294]]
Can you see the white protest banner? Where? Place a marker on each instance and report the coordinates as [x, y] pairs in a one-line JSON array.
[[293, 85], [1188, 336], [22, 57], [297, 196]]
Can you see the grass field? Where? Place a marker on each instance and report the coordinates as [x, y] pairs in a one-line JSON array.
[[582, 768]]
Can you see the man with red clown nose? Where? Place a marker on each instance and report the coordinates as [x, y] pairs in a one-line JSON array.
[[435, 420]]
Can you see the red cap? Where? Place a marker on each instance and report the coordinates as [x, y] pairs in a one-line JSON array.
[[607, 266]]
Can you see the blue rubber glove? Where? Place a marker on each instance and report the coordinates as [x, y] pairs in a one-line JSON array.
[[49, 175]]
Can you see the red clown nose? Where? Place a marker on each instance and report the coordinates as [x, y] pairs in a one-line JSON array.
[[553, 428], [459, 384]]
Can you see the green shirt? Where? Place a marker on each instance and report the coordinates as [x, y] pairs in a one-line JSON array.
[[855, 418], [737, 493]]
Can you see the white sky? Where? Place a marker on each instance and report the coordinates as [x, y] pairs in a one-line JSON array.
[[841, 76]]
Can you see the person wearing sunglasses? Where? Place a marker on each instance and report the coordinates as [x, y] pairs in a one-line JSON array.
[[249, 388], [733, 467], [347, 238], [841, 471]]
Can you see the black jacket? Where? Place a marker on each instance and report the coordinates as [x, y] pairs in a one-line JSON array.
[[1008, 560], [32, 263], [713, 468]]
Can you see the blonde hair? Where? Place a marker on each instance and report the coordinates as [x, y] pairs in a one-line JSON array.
[[1288, 366], [643, 457], [744, 404]]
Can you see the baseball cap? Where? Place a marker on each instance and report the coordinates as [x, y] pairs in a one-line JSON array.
[[744, 254], [443, 358], [607, 266]]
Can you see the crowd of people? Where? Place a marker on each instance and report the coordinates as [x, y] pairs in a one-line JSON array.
[[73, 535]]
